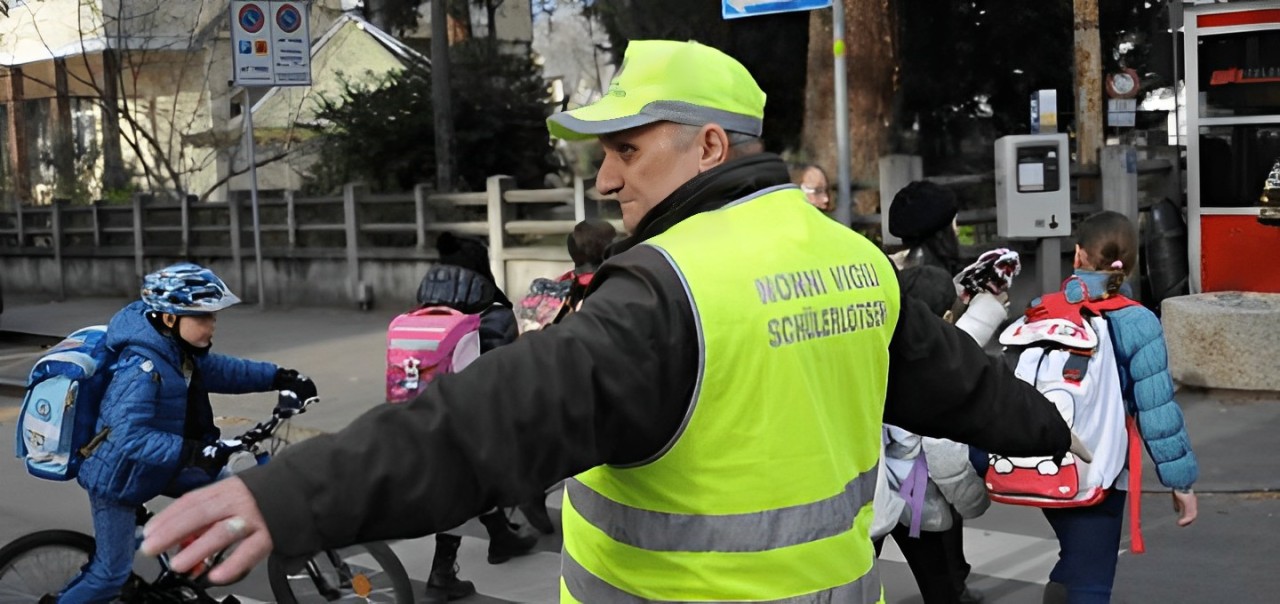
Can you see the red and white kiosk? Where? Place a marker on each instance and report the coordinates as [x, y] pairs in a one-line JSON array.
[[1233, 146]]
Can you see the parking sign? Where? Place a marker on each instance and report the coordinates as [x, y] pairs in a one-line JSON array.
[[271, 43]]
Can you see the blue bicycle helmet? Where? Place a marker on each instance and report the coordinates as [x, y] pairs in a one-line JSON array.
[[186, 289]]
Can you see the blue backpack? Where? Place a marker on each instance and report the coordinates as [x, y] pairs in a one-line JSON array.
[[60, 410]]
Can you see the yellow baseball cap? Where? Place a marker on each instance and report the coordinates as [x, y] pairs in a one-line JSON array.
[[667, 81]]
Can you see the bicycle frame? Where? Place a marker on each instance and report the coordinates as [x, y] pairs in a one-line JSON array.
[[171, 587]]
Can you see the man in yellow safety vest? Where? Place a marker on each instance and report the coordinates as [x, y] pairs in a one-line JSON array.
[[715, 404]]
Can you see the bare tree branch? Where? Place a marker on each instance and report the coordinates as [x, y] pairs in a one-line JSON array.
[[234, 173]]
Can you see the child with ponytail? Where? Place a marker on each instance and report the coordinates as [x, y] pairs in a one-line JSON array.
[[1089, 537]]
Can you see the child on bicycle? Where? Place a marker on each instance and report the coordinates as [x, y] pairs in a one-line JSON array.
[[155, 430], [1089, 536]]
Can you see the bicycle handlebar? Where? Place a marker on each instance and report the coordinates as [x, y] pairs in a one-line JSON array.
[[265, 430]]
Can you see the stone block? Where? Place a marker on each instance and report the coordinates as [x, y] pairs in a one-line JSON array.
[[1224, 340]]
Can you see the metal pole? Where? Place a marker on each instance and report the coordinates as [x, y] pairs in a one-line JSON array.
[[844, 206], [1049, 264], [253, 195], [1175, 23]]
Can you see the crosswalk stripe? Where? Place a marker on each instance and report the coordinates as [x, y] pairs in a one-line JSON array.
[[994, 555], [999, 554]]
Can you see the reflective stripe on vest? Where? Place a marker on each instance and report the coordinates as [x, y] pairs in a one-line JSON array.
[[754, 532], [764, 492], [585, 587]]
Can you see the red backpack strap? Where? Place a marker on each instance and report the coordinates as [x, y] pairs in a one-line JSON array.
[[1072, 301], [1110, 303], [1136, 543], [1055, 305]]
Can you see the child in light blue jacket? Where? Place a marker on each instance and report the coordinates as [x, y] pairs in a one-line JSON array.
[[1089, 537]]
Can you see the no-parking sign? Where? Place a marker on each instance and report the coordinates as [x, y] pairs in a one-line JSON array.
[[270, 43]]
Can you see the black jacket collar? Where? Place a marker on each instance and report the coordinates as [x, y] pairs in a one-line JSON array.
[[710, 190]]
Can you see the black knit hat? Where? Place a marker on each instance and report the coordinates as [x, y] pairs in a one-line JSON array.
[[465, 252], [468, 253], [919, 210], [931, 285]]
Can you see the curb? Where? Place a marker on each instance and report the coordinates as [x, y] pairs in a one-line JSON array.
[[1227, 394]]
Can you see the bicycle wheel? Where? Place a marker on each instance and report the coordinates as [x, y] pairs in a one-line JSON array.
[[41, 563], [369, 572]]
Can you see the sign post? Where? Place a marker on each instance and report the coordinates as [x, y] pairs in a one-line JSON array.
[[734, 9], [844, 202], [270, 46]]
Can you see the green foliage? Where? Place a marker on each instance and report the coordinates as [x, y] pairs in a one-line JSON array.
[[500, 108], [385, 135], [381, 135], [119, 197]]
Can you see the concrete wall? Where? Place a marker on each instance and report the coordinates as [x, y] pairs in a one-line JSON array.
[[290, 282]]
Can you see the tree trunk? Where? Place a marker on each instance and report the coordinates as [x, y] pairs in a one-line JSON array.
[[491, 11], [114, 176], [1088, 84], [441, 99], [64, 145], [459, 21], [19, 162], [872, 62]]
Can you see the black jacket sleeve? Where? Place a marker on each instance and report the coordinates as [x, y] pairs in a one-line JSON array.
[[942, 384], [610, 384], [497, 327]]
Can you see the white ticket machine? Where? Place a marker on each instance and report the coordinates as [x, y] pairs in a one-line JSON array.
[[1033, 186]]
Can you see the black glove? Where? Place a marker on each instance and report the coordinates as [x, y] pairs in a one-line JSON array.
[[301, 386], [210, 457]]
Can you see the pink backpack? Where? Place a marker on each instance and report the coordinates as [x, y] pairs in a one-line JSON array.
[[425, 343]]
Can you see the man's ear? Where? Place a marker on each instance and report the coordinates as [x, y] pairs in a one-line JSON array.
[[169, 320], [713, 142]]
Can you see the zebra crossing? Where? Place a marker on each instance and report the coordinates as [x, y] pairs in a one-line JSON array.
[[1011, 550]]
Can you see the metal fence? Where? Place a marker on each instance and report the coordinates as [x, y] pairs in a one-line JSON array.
[[357, 225], [519, 225]]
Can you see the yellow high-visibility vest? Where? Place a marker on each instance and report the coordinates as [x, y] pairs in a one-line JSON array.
[[765, 492]]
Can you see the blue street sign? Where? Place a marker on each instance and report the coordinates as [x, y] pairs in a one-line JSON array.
[[734, 9]]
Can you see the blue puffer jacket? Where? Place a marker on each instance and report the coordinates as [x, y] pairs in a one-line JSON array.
[[1138, 339], [145, 407]]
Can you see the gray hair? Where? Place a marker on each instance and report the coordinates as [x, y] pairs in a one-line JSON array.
[[740, 143]]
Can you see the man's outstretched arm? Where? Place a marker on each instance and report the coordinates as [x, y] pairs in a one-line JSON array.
[[942, 384], [611, 384]]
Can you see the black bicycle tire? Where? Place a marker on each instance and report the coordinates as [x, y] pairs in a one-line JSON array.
[[26, 543], [380, 552], [55, 537]]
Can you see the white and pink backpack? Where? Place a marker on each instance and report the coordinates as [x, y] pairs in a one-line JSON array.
[[426, 343], [1064, 350]]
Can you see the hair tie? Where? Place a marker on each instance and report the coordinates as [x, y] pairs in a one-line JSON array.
[[1117, 265]]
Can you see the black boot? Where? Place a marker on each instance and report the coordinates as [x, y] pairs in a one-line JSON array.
[[536, 513], [444, 585], [1055, 593], [505, 540]]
